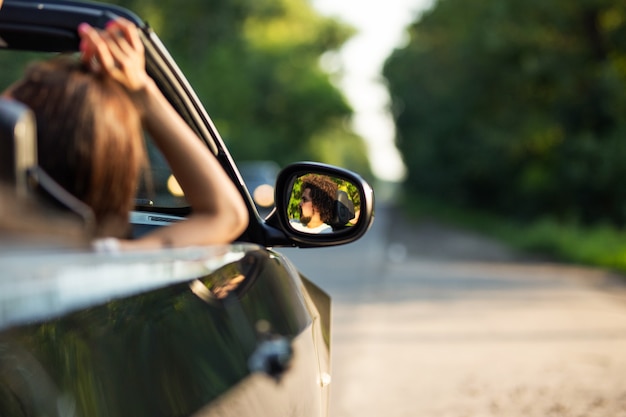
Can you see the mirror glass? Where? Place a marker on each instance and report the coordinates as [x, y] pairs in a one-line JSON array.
[[323, 204]]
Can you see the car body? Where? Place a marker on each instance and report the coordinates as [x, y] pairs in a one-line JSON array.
[[232, 330]]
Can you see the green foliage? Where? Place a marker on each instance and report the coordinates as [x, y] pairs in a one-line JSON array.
[[254, 64], [293, 210], [599, 245], [337, 145], [517, 107], [13, 65]]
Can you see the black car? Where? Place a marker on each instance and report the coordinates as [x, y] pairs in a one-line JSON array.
[[230, 330]]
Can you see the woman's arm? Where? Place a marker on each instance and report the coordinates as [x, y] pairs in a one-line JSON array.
[[219, 214]]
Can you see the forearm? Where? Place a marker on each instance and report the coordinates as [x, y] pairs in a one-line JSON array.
[[213, 197], [219, 212]]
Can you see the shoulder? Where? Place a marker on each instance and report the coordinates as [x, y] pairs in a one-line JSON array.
[[295, 223], [324, 228]]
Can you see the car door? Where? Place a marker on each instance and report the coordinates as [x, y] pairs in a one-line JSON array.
[[203, 331]]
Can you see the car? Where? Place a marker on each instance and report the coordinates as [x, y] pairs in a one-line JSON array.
[[229, 330], [259, 177]]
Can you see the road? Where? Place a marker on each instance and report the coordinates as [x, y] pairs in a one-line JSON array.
[[433, 321]]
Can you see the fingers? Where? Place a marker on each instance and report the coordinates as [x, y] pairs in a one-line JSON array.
[[95, 50], [88, 39], [124, 29], [117, 51]]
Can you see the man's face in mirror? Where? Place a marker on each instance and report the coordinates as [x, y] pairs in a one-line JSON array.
[[307, 210], [316, 205]]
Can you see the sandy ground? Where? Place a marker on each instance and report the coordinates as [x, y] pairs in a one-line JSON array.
[[454, 324]]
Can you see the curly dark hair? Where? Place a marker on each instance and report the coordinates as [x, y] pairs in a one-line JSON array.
[[323, 194]]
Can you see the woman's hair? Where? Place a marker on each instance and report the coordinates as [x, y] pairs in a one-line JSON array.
[[89, 135], [323, 194]]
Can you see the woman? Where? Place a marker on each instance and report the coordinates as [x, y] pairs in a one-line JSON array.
[[90, 115]]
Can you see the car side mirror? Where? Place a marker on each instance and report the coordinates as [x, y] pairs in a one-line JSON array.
[[322, 205]]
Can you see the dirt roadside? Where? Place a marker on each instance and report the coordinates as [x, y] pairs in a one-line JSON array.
[[429, 238], [432, 240], [460, 325]]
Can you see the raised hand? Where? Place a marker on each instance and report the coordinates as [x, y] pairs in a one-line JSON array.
[[116, 51]]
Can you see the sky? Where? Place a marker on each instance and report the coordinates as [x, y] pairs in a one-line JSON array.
[[380, 26]]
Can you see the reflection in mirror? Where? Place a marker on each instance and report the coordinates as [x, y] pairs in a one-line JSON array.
[[323, 204]]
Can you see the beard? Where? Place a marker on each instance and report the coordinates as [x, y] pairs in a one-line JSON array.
[[304, 219]]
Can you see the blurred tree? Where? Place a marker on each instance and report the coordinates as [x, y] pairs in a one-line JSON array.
[[255, 66], [516, 106]]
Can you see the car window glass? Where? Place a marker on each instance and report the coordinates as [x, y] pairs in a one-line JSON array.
[[158, 187]]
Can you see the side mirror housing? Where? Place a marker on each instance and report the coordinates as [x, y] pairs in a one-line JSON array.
[[321, 205]]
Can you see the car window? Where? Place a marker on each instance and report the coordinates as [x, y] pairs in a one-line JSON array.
[[158, 187]]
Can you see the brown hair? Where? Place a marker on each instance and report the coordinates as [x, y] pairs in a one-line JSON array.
[[89, 135], [323, 194]]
